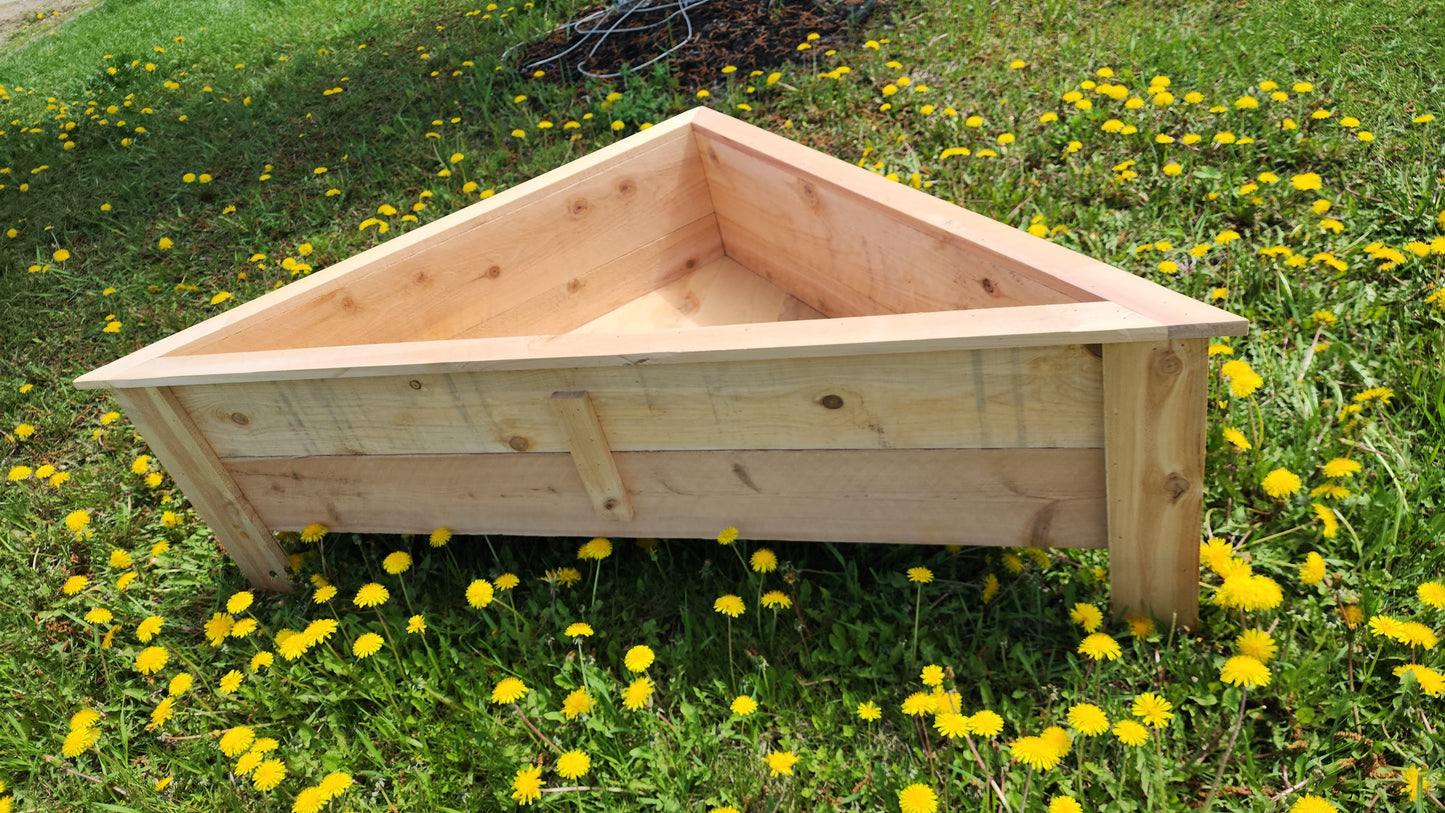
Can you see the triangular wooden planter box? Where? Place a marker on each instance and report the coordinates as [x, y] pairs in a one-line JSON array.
[[702, 325]]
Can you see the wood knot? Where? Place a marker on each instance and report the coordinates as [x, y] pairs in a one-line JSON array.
[[494, 272], [610, 504], [519, 443], [414, 384], [347, 303], [574, 285], [691, 262], [240, 419], [578, 207], [626, 187], [1169, 363], [988, 285], [810, 195], [1177, 485], [419, 278], [831, 402]]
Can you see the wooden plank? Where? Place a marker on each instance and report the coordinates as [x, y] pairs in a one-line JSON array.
[[590, 294], [719, 293], [1008, 397], [296, 295], [820, 178], [168, 430], [454, 284], [1038, 497], [591, 454], [847, 255], [1154, 426], [1037, 326]]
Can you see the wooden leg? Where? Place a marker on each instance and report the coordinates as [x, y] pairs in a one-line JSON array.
[[190, 461], [1154, 411]]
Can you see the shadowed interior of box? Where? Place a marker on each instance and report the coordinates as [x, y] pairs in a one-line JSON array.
[[687, 229]]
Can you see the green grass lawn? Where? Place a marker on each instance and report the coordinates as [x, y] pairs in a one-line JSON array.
[[162, 161]]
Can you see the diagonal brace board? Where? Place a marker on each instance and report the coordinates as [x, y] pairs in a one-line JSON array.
[[592, 454]]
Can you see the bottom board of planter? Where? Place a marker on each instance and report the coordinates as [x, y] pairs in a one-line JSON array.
[[1013, 497]]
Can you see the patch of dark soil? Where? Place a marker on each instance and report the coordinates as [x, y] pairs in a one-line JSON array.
[[696, 39]]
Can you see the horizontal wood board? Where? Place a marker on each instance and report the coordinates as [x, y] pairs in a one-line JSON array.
[[846, 255], [1003, 398], [1015, 497], [905, 334], [510, 259], [985, 241]]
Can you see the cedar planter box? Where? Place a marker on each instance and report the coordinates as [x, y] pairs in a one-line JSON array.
[[702, 325]]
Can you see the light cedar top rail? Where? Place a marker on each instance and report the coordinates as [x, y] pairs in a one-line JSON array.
[[1052, 265], [1029, 326], [298, 293]]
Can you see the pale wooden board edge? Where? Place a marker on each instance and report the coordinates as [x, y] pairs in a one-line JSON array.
[[986, 328]]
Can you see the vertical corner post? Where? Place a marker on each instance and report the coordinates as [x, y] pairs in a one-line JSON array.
[[189, 459], [1155, 396]]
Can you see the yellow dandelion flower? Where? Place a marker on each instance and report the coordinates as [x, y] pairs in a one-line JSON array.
[[1242, 670], [371, 595], [639, 658], [595, 550], [573, 764], [730, 605], [1153, 709], [918, 798], [396, 563], [921, 575], [1036, 752], [230, 682], [313, 532], [237, 741], [577, 702], [763, 560], [1088, 719], [1131, 733], [868, 711], [1257, 644], [77, 521], [152, 659], [268, 774], [1281, 483], [1087, 616], [180, 684], [638, 692], [919, 704], [527, 783], [985, 723], [1433, 594], [780, 763], [743, 705], [367, 644], [1099, 646], [440, 537], [509, 690], [1431, 682]]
